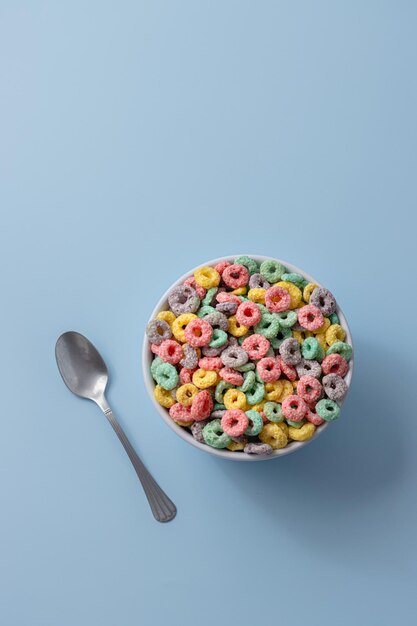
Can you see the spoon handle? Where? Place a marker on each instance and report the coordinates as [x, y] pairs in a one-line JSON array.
[[162, 508]]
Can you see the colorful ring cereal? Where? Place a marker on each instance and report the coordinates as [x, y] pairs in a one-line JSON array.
[[248, 313], [179, 325], [190, 359], [219, 338], [339, 347], [334, 386], [302, 434], [268, 326], [183, 299], [235, 276], [294, 408], [186, 393], [201, 406], [295, 293], [290, 351], [198, 333], [170, 351], [255, 423], [257, 281], [324, 300], [309, 389], [310, 317], [190, 281], [235, 422], [327, 409], [234, 356], [335, 333], [207, 277], [268, 369], [273, 411], [227, 308], [272, 270], [166, 376], [250, 264], [158, 331], [335, 364], [231, 376], [210, 363], [263, 449], [163, 397], [277, 299], [274, 436], [204, 379], [310, 349], [234, 399], [214, 436]]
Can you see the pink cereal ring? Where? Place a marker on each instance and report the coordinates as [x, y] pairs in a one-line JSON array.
[[180, 413], [220, 267], [186, 375], [235, 276], [256, 346], [155, 348], [231, 376], [294, 408], [269, 369], [335, 364], [248, 314], [198, 333], [210, 363], [170, 351], [310, 317], [277, 299], [201, 292], [288, 370], [314, 418], [224, 296], [309, 389], [202, 405], [235, 422]]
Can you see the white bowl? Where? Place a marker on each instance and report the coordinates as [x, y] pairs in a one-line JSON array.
[[147, 357]]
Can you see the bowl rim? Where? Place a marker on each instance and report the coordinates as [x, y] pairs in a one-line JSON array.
[[147, 357]]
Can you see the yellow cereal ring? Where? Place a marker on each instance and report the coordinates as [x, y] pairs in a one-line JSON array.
[[186, 393], [163, 397], [234, 399], [323, 328], [257, 295], [335, 333], [236, 329], [273, 435], [207, 277], [181, 423], [284, 427], [240, 291], [304, 433], [258, 407], [321, 338], [287, 390], [236, 445], [179, 324], [299, 335], [167, 316], [308, 290], [273, 391], [203, 379], [294, 292]]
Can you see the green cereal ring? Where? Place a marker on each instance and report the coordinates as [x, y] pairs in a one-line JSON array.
[[263, 308], [256, 423], [286, 319], [219, 338], [250, 264], [327, 409], [154, 366], [208, 298], [272, 270], [295, 278], [218, 406], [268, 326], [214, 436], [257, 377], [273, 411], [310, 349], [256, 393], [342, 348], [221, 389], [166, 376], [206, 310], [296, 424], [248, 382], [245, 368], [334, 318], [282, 334]]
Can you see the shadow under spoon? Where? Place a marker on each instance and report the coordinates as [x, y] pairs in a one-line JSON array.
[[85, 373]]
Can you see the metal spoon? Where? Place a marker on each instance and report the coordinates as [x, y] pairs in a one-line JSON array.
[[85, 373]]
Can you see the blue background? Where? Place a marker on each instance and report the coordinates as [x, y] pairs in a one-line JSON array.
[[137, 140]]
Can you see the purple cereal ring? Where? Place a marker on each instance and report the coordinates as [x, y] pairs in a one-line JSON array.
[[158, 331], [257, 448], [227, 308], [197, 430], [308, 368], [217, 414], [234, 356], [190, 359], [334, 387], [217, 320], [183, 299], [290, 351], [324, 300], [257, 281]]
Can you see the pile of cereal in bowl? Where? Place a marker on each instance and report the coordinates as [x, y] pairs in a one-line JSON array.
[[249, 356]]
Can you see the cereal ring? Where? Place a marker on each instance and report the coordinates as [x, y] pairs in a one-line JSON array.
[[219, 338], [183, 299], [155, 349], [324, 300], [295, 278], [257, 281], [335, 333], [214, 436], [268, 326], [295, 293], [205, 310], [335, 364], [277, 299], [256, 346], [282, 334], [296, 424], [246, 367], [315, 419], [310, 317], [220, 267], [210, 363], [309, 388], [227, 308], [217, 320], [163, 397], [201, 406], [250, 264], [287, 319], [166, 376], [294, 408], [256, 393], [306, 367], [248, 313], [235, 328], [210, 297], [167, 316], [207, 351], [255, 423], [220, 390], [237, 445], [190, 281], [170, 351], [234, 356], [302, 434], [190, 359], [234, 399], [186, 393], [334, 386], [287, 389], [158, 331], [197, 430], [258, 448], [273, 435], [273, 391], [235, 276], [207, 277], [308, 290], [339, 347], [327, 409], [231, 376], [268, 369], [310, 348], [179, 325], [334, 318], [323, 328], [288, 370], [273, 411], [180, 413], [248, 382], [198, 333], [290, 351], [226, 296], [204, 379], [235, 422], [272, 270], [257, 295]]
